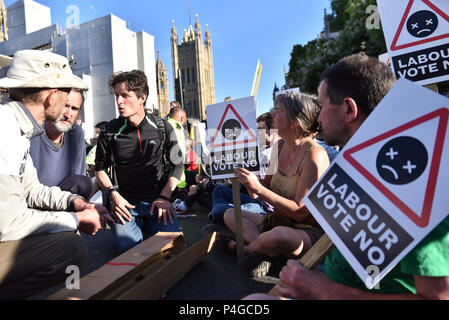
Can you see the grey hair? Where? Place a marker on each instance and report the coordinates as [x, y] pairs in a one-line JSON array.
[[83, 96], [302, 108]]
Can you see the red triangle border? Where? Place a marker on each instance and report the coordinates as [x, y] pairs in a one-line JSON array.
[[423, 219], [394, 45], [253, 139]]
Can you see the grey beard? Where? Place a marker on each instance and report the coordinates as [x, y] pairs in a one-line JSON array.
[[61, 127]]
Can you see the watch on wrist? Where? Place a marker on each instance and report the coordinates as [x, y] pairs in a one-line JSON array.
[[110, 190], [163, 198]]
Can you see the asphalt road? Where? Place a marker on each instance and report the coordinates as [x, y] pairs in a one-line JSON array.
[[216, 277]]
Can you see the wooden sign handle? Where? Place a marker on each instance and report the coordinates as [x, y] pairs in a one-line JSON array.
[[312, 258], [432, 86], [238, 219]]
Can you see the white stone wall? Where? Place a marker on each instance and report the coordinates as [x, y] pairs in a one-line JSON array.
[[147, 63], [37, 16], [90, 47], [27, 16], [96, 49]]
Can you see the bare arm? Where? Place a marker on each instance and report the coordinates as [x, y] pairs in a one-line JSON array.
[[302, 283], [314, 165]]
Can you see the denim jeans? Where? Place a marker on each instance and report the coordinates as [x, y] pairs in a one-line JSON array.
[[222, 200], [142, 226]]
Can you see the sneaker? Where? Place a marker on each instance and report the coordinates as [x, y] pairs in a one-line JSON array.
[[260, 265], [180, 209], [257, 264]]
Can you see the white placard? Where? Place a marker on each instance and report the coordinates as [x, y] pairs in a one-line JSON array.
[[417, 37], [387, 189], [232, 132]]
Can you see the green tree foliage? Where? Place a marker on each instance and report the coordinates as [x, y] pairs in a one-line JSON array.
[[349, 17]]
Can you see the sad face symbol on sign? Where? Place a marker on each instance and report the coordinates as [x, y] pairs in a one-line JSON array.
[[402, 160], [422, 23]]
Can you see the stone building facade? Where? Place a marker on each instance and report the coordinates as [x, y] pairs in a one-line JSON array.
[[162, 87], [193, 70]]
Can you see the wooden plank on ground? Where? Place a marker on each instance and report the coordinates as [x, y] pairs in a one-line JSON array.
[[121, 272], [156, 284], [312, 258]]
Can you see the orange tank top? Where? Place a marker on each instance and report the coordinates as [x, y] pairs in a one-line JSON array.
[[286, 186]]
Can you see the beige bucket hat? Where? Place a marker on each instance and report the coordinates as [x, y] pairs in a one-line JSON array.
[[40, 69]]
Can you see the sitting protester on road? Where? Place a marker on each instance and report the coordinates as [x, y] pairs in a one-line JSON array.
[[38, 224], [290, 230]]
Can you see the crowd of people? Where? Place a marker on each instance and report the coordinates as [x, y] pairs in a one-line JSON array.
[[138, 162]]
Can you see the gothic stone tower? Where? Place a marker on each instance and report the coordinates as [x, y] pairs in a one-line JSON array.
[[3, 22], [162, 87], [193, 71]]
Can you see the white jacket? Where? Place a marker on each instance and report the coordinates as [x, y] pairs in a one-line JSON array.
[[26, 206]]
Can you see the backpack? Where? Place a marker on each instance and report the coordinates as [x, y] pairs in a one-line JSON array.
[[112, 131]]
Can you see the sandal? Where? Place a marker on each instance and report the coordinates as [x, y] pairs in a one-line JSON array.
[[223, 241]]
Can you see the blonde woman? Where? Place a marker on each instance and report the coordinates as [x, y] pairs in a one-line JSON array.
[[300, 161]]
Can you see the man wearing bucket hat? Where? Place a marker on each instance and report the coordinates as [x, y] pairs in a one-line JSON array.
[[37, 223]]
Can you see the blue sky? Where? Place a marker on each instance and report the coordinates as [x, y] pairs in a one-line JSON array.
[[242, 31]]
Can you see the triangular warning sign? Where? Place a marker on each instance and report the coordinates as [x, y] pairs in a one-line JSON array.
[[252, 138], [415, 25], [420, 219]]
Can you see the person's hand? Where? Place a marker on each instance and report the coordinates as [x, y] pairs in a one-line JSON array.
[[199, 179], [164, 210], [91, 220], [120, 207], [301, 283], [81, 204], [193, 189], [249, 180]]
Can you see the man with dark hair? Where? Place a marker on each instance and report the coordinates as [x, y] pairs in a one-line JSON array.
[[59, 154], [348, 92], [37, 223], [136, 144]]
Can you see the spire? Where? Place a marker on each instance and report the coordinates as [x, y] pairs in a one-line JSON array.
[[197, 28], [207, 38], [190, 12], [174, 35], [189, 35], [159, 64], [3, 22], [197, 23]]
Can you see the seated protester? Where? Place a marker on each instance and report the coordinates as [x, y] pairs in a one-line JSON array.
[[222, 197], [59, 154], [349, 91], [201, 191], [38, 224], [290, 230], [222, 200], [267, 138]]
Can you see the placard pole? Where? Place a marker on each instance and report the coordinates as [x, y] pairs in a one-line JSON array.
[[313, 257], [432, 86], [238, 219]]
